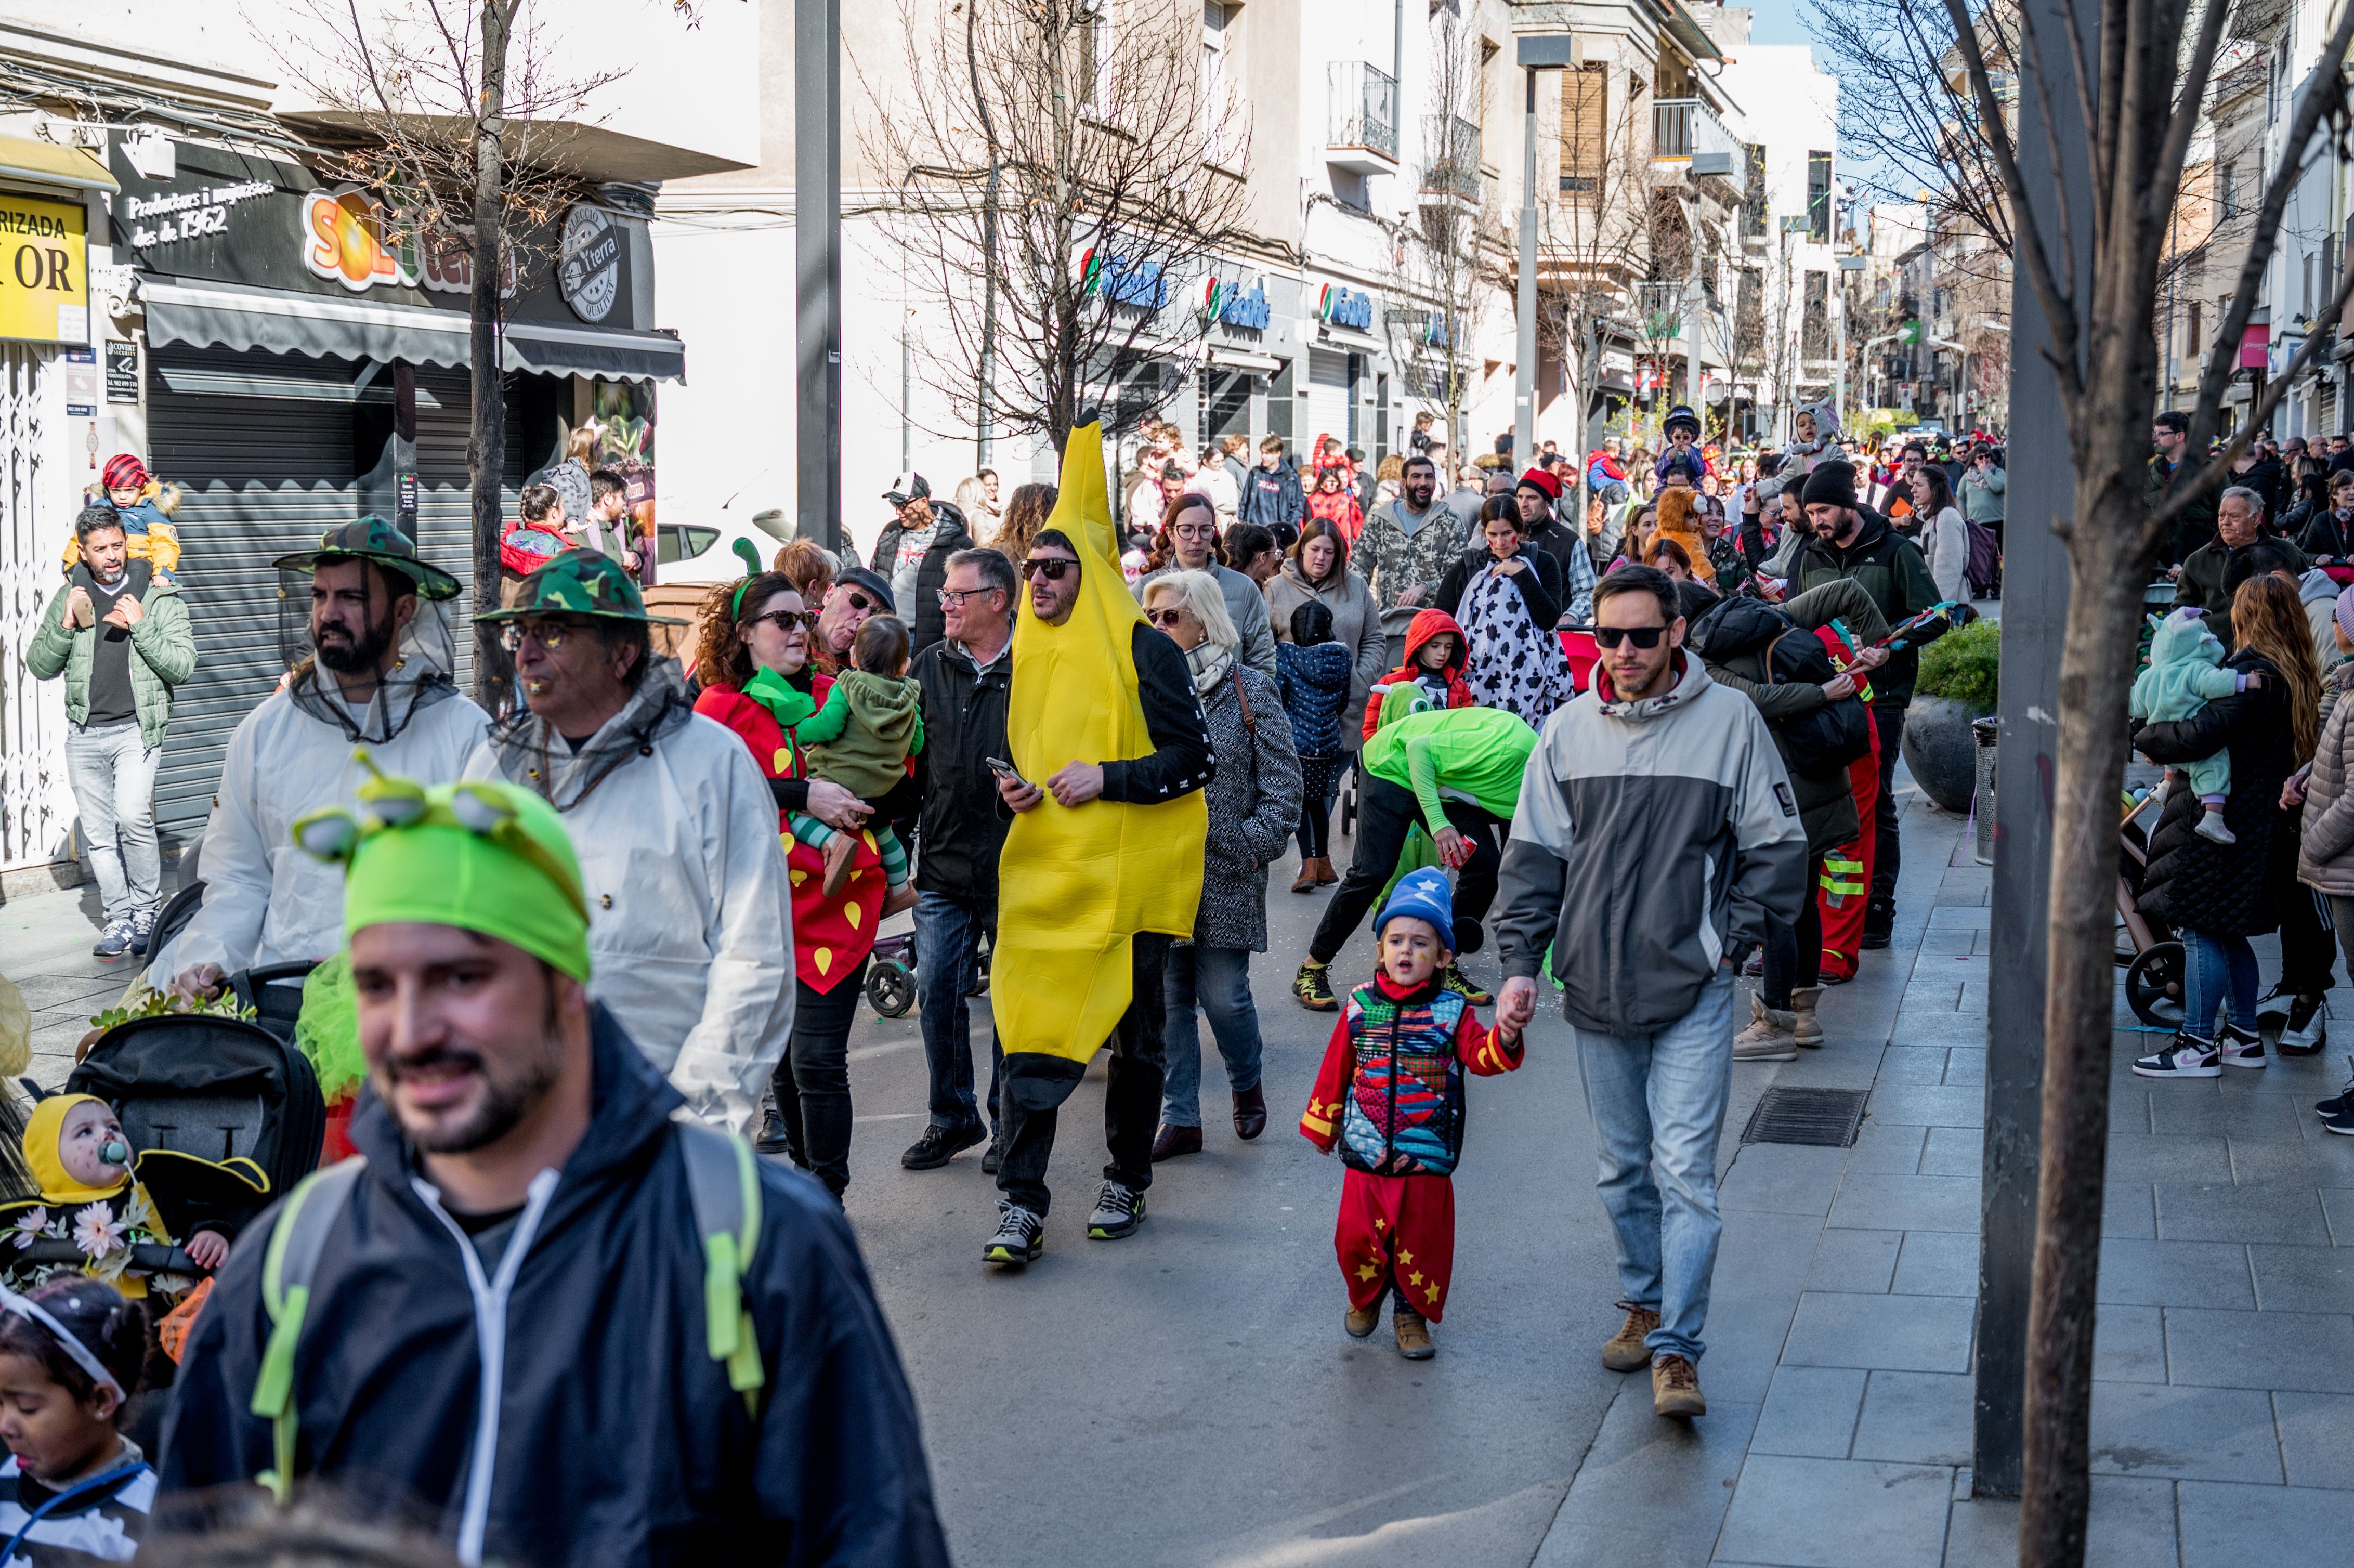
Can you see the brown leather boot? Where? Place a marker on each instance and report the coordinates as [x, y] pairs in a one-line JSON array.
[[1413, 1334], [1171, 1141], [1306, 881], [1325, 875], [1250, 1112]]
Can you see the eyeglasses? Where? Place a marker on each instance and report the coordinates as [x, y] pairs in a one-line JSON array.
[[548, 634], [1051, 568], [785, 620], [1640, 635], [953, 599], [1165, 619], [858, 601]]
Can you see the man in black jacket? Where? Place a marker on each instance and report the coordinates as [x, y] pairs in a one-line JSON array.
[[967, 679], [524, 1218], [1036, 1082], [912, 555], [2171, 467], [2240, 549], [1851, 541]]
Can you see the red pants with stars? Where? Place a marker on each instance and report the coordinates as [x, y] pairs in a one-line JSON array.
[[1396, 1233]]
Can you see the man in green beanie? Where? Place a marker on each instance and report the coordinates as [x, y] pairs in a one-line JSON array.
[[523, 1167], [381, 676], [690, 915]]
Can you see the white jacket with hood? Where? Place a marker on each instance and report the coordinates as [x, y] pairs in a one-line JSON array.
[[690, 916]]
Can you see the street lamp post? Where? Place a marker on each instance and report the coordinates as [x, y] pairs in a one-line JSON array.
[[1538, 51]]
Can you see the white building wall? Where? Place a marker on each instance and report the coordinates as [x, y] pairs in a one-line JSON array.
[[1790, 108]]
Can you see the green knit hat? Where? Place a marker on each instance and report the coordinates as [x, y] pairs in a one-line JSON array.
[[482, 856], [580, 582]]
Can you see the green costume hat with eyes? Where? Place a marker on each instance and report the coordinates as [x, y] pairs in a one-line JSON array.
[[580, 582], [487, 857]]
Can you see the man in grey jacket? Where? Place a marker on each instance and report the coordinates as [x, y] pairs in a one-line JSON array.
[[1657, 833]]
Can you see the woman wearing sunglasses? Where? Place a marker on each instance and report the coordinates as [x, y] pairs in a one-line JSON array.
[[760, 628], [1254, 801]]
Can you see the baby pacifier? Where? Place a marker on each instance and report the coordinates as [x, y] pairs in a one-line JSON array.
[[114, 1152]]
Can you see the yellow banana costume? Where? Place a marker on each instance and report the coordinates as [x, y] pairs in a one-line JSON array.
[[1075, 886]]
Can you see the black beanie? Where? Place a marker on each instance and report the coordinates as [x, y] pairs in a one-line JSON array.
[[1831, 484]]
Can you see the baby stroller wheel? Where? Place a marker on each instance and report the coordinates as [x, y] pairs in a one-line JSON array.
[[2153, 985], [890, 988]]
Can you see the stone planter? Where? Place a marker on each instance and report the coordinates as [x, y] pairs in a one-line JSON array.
[[1941, 751]]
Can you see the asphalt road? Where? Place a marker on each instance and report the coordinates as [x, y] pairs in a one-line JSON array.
[[1187, 1396]]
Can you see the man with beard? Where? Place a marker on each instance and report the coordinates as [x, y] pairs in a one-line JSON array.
[[520, 1315], [690, 915], [380, 679], [1409, 543]]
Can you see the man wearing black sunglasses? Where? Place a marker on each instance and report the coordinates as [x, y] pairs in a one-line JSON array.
[[1655, 833], [857, 595]]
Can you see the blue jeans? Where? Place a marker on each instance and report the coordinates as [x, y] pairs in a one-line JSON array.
[[1220, 979], [112, 771], [948, 943], [1657, 1104], [2217, 969]]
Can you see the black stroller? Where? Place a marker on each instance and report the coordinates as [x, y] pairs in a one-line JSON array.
[[2148, 948]]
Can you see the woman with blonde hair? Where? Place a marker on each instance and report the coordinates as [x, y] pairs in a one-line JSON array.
[[2215, 894], [1254, 802]]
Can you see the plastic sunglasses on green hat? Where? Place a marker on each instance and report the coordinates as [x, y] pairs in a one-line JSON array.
[[483, 856]]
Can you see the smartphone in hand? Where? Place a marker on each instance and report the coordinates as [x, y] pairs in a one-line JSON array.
[[1006, 772]]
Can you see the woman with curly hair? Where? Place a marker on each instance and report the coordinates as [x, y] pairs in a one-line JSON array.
[[755, 639], [1027, 510]]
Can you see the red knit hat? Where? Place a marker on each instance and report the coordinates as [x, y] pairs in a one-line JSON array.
[[122, 469], [1544, 480]]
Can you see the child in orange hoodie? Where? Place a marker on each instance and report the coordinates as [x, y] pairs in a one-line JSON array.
[[1436, 653], [1390, 1098]]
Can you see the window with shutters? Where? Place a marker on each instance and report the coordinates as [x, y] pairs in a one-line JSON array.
[[1818, 197], [1815, 325], [1585, 136]]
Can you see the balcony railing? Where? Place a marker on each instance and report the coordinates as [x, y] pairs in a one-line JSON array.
[[1451, 167], [1687, 131], [1660, 307], [1363, 104]]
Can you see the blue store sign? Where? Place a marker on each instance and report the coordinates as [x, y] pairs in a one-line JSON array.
[[1345, 308]]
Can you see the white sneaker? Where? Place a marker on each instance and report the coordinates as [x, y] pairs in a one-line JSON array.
[[2210, 827], [2237, 1047], [2185, 1056]]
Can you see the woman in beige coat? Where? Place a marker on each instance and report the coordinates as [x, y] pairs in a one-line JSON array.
[[1317, 569]]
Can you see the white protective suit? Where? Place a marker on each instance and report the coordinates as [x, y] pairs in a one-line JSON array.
[[267, 901], [690, 917]]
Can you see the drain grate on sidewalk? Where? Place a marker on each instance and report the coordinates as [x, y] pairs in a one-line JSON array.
[[1825, 1119]]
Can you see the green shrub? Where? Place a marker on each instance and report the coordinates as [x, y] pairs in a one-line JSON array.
[[1965, 665]]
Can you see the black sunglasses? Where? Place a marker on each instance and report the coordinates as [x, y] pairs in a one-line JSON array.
[[860, 601], [804, 619], [1641, 636], [1051, 568]]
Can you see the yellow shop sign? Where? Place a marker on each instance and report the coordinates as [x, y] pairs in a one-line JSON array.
[[44, 270]]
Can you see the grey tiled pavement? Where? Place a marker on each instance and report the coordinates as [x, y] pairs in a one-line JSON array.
[[45, 941], [1841, 1330]]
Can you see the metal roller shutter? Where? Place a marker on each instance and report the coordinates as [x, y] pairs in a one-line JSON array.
[[1328, 397], [264, 476]]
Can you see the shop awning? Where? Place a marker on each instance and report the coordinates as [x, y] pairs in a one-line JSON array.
[[277, 321], [43, 163], [1240, 359]]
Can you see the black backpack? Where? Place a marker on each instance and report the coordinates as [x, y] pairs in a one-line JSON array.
[[1814, 745]]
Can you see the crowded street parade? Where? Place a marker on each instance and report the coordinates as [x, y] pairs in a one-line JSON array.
[[641, 636]]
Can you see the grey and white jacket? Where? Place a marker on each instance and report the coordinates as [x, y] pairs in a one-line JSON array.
[[1653, 838]]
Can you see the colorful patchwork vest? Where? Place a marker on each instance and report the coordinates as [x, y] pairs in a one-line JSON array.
[[1404, 1114]]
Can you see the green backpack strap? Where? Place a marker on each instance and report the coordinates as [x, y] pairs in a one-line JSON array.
[[723, 1181], [296, 1239]]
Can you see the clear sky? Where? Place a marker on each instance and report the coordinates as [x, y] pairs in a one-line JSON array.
[[1780, 22]]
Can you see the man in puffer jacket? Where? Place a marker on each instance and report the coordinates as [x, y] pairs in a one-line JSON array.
[[1736, 640], [912, 555]]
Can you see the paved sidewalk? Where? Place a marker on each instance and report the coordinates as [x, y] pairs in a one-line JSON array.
[[1839, 1369], [45, 942]]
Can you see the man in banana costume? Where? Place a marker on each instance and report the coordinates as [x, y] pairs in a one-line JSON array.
[[1102, 868]]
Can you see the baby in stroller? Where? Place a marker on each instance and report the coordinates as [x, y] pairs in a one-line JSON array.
[[116, 1214], [2185, 675]]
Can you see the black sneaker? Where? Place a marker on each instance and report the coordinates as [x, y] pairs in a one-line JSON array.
[[2306, 1029], [1461, 984], [991, 1156], [1313, 986], [1021, 1236], [2185, 1056], [2341, 1104], [112, 942], [1119, 1213], [2342, 1124], [938, 1146], [1879, 926]]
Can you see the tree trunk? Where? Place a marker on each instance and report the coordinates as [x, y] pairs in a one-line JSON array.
[[486, 448], [2097, 664]]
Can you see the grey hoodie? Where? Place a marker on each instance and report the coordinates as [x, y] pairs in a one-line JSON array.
[[1652, 841]]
